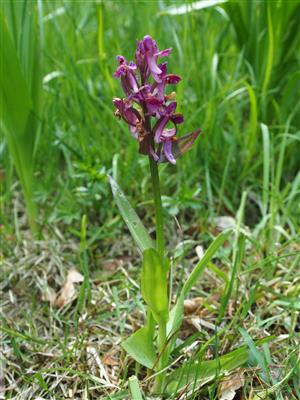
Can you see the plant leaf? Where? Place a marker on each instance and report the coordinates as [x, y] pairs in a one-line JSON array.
[[201, 372], [132, 220], [140, 344], [256, 354], [135, 388], [154, 285]]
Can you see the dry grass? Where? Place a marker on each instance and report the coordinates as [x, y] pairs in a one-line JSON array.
[[74, 351]]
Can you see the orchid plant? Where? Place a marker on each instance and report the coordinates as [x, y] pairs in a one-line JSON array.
[[150, 113]]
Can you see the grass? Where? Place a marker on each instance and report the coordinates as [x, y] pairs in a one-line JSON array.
[[245, 166]]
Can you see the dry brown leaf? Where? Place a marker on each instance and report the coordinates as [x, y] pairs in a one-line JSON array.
[[112, 265], [198, 323], [74, 276], [229, 385], [49, 295], [108, 359], [192, 305], [68, 291]]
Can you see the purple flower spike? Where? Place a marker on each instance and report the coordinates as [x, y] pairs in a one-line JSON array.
[[146, 100]]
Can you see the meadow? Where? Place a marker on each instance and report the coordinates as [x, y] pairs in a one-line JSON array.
[[70, 271]]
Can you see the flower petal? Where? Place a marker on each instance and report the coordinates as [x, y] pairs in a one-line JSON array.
[[172, 79], [133, 131], [168, 133], [127, 112], [153, 105], [159, 127], [181, 145], [121, 59], [149, 44], [168, 152], [177, 119], [171, 108], [152, 65], [164, 53]]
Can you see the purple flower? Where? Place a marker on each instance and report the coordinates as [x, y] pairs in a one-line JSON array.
[[127, 73], [130, 115], [167, 114], [159, 87], [146, 57], [146, 101]]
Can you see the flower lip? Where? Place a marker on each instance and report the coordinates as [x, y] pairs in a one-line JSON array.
[[177, 119], [172, 79], [171, 108], [167, 134], [159, 87], [168, 152]]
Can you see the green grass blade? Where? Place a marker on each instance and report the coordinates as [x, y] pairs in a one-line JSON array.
[[238, 250], [255, 353], [270, 55], [176, 313], [266, 168], [20, 87], [252, 136], [201, 372], [199, 268]]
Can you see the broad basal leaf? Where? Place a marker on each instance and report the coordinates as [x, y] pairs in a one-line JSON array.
[[140, 345]]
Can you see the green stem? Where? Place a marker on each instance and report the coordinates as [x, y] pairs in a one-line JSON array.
[[160, 247], [160, 243], [162, 339]]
